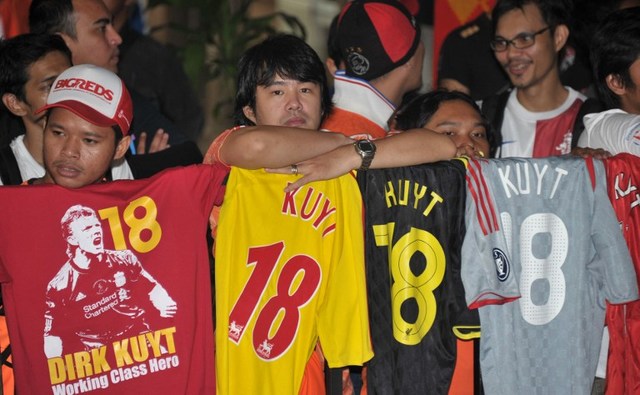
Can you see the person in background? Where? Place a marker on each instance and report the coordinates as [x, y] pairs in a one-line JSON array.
[[540, 116], [380, 44], [466, 62], [30, 64], [451, 113], [154, 71], [615, 56], [87, 29]]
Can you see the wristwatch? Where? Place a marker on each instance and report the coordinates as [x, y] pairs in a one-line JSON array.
[[366, 149]]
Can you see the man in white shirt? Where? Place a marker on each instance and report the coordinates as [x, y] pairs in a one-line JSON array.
[[615, 57], [537, 117]]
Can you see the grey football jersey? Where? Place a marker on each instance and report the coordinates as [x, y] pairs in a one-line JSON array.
[[542, 252]]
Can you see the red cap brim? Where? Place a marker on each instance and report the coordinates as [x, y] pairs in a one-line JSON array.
[[83, 111]]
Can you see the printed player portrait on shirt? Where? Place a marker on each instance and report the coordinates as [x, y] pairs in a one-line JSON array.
[[99, 295]]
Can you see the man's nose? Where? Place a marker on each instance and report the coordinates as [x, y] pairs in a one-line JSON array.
[[71, 148], [294, 102], [113, 36]]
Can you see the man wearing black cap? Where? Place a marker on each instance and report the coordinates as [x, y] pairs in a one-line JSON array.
[[380, 44]]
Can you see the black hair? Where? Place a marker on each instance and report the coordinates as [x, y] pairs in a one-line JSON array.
[[17, 54], [52, 16], [614, 47], [333, 48], [419, 110], [284, 55], [554, 12]]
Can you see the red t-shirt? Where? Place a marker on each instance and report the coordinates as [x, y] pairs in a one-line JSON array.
[[108, 286]]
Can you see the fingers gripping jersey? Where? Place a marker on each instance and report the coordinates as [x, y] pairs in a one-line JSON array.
[[542, 231], [289, 270], [115, 298], [623, 320], [414, 231]]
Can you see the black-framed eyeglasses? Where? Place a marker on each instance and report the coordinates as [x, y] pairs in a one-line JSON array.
[[521, 41]]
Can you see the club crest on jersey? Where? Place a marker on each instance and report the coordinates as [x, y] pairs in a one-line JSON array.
[[503, 267], [357, 61]]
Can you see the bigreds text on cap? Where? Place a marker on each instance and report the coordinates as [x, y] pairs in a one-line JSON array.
[[93, 93]]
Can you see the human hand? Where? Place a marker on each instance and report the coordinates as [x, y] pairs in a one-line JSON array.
[[322, 167], [160, 142], [470, 151], [596, 153]]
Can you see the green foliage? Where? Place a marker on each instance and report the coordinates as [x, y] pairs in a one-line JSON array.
[[220, 36]]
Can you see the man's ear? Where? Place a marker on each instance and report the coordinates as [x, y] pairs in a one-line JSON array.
[[412, 60], [392, 122], [249, 113], [14, 105], [122, 147], [615, 84], [560, 36], [70, 42], [331, 66], [65, 38]]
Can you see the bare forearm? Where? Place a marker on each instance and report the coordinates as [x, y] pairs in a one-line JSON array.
[[272, 146], [413, 147]]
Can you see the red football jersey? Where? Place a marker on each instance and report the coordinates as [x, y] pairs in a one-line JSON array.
[[623, 320]]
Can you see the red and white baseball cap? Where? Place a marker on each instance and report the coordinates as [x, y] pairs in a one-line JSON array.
[[93, 93]]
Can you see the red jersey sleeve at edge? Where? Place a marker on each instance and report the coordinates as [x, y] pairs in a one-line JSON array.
[[213, 153]]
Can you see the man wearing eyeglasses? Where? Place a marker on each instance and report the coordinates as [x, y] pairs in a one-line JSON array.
[[537, 117]]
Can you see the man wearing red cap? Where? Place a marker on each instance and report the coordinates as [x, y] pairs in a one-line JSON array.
[[87, 126], [107, 322], [380, 44]]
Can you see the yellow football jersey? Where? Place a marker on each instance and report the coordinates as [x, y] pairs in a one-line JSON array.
[[289, 270]]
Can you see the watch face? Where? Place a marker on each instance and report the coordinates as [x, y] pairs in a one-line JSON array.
[[366, 146]]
